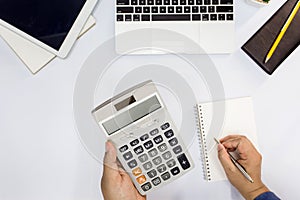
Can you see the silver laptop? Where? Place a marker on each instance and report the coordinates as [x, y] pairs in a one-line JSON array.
[[180, 26]]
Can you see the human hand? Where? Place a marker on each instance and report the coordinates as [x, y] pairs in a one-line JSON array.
[[249, 158], [116, 183]]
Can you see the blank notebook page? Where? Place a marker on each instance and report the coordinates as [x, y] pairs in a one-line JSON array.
[[219, 119]]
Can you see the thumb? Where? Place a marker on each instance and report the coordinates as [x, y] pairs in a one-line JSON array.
[[225, 159], [110, 159]]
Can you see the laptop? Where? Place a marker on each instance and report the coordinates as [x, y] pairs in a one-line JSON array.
[[174, 26]]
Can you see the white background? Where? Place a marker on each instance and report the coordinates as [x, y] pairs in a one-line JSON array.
[[41, 156]]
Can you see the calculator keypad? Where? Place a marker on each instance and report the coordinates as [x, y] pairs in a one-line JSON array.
[[154, 158]]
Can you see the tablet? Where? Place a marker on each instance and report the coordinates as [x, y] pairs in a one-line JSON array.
[[54, 25]]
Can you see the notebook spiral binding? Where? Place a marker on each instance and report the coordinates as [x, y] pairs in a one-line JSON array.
[[202, 142]]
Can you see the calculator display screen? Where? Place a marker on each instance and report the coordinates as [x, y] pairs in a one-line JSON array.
[[131, 115]]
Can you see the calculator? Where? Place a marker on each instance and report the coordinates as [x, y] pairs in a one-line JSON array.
[[148, 144]]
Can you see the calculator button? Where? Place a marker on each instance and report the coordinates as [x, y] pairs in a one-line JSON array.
[[177, 149], [175, 171], [144, 137], [137, 171], [169, 133], [157, 160], [153, 152], [154, 132], [183, 161], [142, 179], [127, 156], [171, 163], [138, 150], [152, 173], [156, 181], [173, 141], [146, 187], [167, 155], [132, 164], [158, 139], [123, 148], [162, 147], [147, 165], [165, 126], [161, 168], [166, 176], [148, 145], [143, 158], [134, 142]]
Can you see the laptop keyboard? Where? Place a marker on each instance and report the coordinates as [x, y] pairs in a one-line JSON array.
[[174, 10]]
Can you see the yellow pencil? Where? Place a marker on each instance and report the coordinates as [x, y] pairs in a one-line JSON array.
[[282, 31]]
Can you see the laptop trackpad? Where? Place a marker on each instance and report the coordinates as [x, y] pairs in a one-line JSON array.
[[217, 37], [178, 37]]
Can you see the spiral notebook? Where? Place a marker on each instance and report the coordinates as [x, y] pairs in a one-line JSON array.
[[218, 119]]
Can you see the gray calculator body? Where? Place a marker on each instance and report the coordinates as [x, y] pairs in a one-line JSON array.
[[147, 141]]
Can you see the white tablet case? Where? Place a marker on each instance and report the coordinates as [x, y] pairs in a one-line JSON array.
[[32, 55]]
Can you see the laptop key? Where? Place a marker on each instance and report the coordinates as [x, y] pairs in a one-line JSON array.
[[195, 9], [213, 17], [163, 9], [191, 2], [226, 2], [178, 9], [205, 17], [187, 9], [124, 9], [229, 17], [146, 9], [224, 9], [138, 9], [196, 17], [182, 2], [142, 2], [166, 2], [173, 17], [206, 2], [136, 18], [145, 17], [158, 2], [122, 2], [150, 2], [199, 2], [154, 9], [221, 17], [203, 9], [215, 2], [211, 9], [134, 2], [170, 10], [174, 2]]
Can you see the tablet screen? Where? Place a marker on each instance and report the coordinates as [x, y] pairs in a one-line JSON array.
[[47, 21]]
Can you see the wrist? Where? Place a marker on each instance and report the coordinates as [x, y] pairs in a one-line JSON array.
[[256, 191]]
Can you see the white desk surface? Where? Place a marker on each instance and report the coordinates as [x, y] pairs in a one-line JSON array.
[[41, 156]]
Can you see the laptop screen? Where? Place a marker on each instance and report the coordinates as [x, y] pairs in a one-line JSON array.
[[47, 21]]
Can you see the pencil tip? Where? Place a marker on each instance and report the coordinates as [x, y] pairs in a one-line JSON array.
[[267, 59]]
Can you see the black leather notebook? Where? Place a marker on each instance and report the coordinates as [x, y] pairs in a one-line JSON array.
[[258, 46]]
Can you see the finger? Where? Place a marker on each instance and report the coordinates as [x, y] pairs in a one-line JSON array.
[[232, 144], [110, 166], [225, 159], [229, 137]]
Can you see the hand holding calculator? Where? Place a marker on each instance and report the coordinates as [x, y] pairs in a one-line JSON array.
[[148, 144]]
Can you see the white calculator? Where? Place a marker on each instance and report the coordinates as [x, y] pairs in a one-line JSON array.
[[148, 144]]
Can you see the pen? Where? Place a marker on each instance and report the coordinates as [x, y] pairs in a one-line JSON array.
[[282, 31], [238, 165]]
